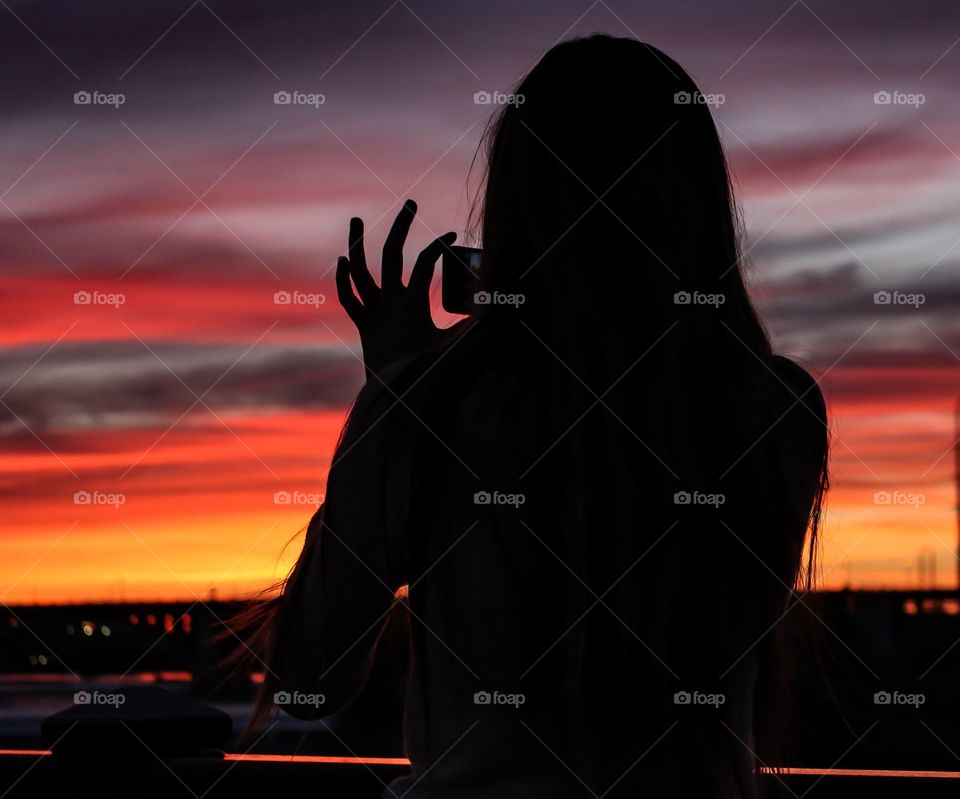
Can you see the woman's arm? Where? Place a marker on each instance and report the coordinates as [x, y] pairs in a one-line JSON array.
[[338, 598]]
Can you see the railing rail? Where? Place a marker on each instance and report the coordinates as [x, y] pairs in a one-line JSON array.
[[38, 773]]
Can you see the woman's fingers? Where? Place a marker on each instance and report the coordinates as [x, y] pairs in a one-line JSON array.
[[391, 269], [426, 262], [358, 261], [345, 294]]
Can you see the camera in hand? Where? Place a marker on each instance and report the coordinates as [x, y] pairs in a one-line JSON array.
[[460, 279]]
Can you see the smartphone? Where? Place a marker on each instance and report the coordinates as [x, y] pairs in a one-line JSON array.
[[460, 279]]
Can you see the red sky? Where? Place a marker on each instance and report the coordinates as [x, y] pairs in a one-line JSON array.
[[842, 198]]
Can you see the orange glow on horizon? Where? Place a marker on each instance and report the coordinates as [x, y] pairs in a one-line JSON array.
[[201, 514]]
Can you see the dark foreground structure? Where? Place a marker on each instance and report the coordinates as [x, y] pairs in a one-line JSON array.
[[160, 745], [173, 738]]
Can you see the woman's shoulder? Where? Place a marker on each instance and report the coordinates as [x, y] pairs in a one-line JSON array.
[[798, 416], [803, 387]]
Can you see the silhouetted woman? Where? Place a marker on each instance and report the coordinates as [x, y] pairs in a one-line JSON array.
[[601, 499]]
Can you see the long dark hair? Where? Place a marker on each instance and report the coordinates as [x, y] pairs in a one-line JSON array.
[[668, 457]]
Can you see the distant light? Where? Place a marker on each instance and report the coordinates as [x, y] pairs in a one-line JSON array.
[[88, 627], [151, 619], [134, 619], [174, 676], [168, 623], [187, 623], [105, 630], [43, 660]]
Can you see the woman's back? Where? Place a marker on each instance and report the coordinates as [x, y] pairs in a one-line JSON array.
[[519, 644]]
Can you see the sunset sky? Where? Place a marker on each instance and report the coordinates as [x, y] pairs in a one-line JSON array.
[[184, 388]]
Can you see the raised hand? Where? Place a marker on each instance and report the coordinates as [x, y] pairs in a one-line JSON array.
[[394, 320]]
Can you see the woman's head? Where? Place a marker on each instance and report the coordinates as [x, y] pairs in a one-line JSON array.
[[607, 187]]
